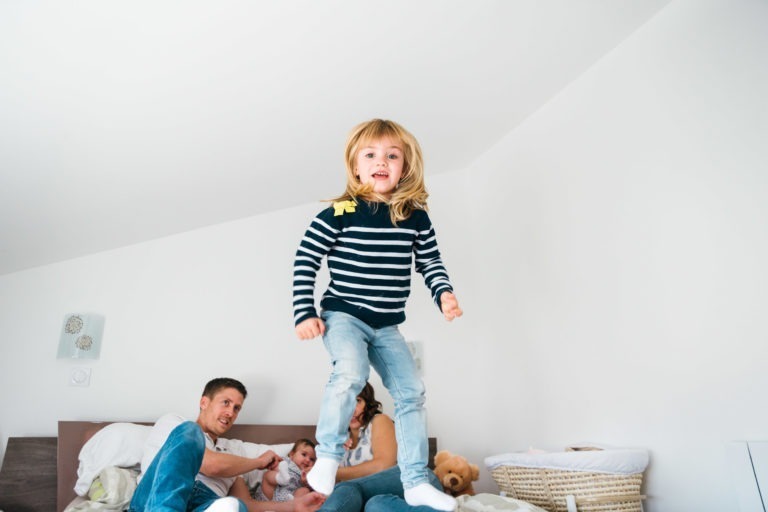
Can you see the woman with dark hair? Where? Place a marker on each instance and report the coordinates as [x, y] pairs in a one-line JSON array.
[[369, 467], [371, 446]]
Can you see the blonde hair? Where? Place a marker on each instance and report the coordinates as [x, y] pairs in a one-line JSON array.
[[411, 193]]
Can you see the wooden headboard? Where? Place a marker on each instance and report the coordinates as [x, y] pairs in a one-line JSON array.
[[74, 434]]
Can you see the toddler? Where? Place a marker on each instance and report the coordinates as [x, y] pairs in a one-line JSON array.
[[288, 481], [371, 237]]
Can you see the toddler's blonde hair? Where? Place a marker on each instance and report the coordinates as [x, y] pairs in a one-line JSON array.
[[411, 193]]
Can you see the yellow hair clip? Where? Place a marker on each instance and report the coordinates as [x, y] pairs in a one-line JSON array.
[[342, 207]]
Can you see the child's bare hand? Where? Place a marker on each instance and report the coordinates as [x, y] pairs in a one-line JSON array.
[[450, 306], [310, 328]]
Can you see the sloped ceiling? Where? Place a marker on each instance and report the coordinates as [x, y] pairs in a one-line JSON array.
[[122, 122]]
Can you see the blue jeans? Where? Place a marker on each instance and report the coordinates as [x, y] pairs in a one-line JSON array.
[[354, 347], [169, 483], [353, 495]]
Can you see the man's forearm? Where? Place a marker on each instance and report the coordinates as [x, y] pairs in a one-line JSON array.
[[218, 464]]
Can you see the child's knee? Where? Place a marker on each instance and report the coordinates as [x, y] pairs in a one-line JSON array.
[[351, 368], [349, 379], [409, 397]]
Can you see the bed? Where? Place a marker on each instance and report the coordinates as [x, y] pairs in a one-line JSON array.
[[29, 483], [74, 434]]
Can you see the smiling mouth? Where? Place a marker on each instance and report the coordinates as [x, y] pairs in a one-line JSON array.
[[381, 174]]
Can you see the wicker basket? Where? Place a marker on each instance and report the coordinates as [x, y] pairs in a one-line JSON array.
[[549, 489]]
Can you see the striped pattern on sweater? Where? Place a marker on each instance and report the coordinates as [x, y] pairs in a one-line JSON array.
[[370, 262]]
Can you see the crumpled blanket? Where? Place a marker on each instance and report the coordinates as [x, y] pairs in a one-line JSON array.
[[112, 490]]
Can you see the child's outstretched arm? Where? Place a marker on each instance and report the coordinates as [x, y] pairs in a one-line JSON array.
[[315, 245], [310, 328], [429, 264], [450, 306]]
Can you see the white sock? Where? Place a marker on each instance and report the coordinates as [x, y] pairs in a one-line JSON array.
[[322, 476], [283, 476], [228, 504], [425, 494]]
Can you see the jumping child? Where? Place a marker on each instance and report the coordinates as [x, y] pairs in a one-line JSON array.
[[371, 236]]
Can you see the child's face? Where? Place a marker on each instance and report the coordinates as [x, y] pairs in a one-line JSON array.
[[304, 457], [380, 162]]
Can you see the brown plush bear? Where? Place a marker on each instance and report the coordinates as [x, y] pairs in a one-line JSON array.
[[456, 474]]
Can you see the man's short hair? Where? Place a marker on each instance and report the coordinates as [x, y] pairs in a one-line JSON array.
[[216, 385]]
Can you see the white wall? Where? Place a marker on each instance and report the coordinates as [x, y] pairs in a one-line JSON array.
[[179, 311], [624, 256], [609, 254]]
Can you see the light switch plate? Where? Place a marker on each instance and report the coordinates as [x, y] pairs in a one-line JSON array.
[[80, 376]]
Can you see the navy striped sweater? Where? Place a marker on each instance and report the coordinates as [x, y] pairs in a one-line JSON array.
[[369, 260]]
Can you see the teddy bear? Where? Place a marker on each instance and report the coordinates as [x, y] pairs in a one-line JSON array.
[[455, 473]]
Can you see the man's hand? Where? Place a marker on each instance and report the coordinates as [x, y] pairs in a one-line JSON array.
[[309, 502], [450, 306], [310, 328], [269, 460]]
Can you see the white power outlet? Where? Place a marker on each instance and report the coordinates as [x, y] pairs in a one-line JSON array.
[[80, 376]]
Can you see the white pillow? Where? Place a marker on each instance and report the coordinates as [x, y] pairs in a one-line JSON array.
[[118, 444], [253, 450]]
